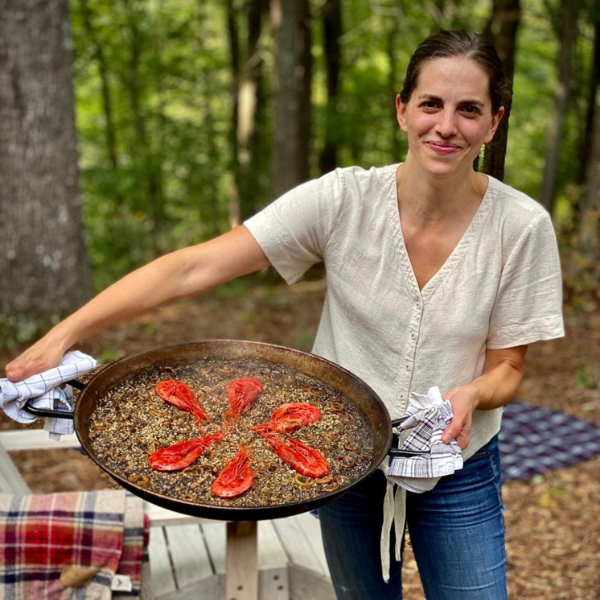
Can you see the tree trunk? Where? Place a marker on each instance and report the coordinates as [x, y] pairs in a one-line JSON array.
[[394, 83], [247, 72], [332, 31], [291, 137], [502, 32], [149, 164], [43, 259], [589, 223], [594, 85], [234, 56], [568, 30]]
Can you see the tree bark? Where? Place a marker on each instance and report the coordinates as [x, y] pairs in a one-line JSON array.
[[332, 31], [568, 30], [292, 115], [589, 223], [247, 75], [43, 258], [502, 32], [594, 85], [234, 57], [394, 83]]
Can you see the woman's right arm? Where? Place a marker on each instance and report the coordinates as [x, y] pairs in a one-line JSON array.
[[180, 274]]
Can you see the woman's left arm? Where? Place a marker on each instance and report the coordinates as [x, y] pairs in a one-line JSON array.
[[497, 386]]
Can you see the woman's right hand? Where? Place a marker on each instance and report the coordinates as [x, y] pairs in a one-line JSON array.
[[43, 355]]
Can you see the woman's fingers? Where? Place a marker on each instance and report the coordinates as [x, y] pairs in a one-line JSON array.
[[36, 359]]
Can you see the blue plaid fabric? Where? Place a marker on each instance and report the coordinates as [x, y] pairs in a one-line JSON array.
[[534, 440]]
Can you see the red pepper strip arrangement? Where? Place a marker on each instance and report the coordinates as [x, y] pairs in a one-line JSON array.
[[179, 456], [179, 394], [235, 478]]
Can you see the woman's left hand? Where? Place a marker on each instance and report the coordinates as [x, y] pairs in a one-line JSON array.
[[464, 401], [495, 387]]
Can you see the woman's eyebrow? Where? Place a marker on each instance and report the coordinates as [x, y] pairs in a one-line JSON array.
[[433, 97]]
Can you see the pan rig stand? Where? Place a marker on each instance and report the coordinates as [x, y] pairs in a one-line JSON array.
[[241, 570]]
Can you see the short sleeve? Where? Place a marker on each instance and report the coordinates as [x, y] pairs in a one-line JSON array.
[[295, 229], [528, 306]]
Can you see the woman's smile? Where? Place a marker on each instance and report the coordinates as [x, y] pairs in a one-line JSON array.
[[443, 148]]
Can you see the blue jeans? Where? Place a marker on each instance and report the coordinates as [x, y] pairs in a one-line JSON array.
[[456, 531]]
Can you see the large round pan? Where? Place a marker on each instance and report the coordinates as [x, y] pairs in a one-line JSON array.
[[353, 389]]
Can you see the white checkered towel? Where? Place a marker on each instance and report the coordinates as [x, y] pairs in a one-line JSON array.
[[416, 464], [45, 389], [421, 457]]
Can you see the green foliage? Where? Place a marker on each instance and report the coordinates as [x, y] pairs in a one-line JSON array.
[[109, 354], [583, 378], [164, 182]]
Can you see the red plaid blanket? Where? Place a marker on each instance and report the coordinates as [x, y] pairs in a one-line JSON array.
[[70, 545]]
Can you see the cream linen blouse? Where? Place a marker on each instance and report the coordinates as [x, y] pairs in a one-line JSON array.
[[500, 287]]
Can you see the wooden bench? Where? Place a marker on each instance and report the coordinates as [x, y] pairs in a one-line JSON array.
[[189, 557]]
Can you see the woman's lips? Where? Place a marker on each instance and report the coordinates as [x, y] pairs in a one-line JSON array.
[[442, 148]]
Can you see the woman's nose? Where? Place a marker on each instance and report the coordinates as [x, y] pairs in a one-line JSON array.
[[446, 124]]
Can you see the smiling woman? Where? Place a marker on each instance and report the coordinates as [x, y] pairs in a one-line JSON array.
[[436, 276]]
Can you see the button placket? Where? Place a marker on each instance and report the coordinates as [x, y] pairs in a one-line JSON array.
[[409, 358]]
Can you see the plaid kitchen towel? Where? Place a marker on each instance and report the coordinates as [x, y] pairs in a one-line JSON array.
[[69, 546], [45, 389], [421, 457]]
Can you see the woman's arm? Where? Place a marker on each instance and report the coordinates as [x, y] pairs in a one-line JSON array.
[[181, 274], [497, 386]]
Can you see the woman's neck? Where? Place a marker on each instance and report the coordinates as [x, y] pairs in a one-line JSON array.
[[428, 200]]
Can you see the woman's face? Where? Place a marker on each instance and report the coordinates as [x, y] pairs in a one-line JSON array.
[[448, 116]]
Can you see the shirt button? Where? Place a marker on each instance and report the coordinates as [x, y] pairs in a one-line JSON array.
[[417, 305], [407, 366], [401, 396], [413, 336]]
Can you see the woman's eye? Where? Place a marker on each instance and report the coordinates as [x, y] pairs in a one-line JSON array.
[[429, 104], [471, 110]]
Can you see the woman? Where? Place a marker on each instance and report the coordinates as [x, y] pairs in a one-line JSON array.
[[437, 275]]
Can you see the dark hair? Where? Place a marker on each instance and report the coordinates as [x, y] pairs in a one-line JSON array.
[[446, 44]]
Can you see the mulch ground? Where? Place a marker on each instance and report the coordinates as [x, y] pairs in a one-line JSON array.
[[552, 521]]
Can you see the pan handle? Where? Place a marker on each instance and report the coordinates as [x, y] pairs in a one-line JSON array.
[[49, 412]]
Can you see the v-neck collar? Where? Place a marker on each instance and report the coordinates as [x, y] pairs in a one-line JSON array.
[[454, 257]]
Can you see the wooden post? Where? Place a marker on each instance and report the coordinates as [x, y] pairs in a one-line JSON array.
[[241, 561]]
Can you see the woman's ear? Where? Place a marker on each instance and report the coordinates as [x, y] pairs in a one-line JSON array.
[[494, 126], [401, 113]]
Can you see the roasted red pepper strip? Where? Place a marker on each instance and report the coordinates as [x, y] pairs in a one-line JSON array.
[[179, 394], [242, 393], [179, 456], [235, 478]]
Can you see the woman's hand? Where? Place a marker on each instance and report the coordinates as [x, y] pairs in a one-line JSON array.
[[497, 386], [464, 401], [45, 354]]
